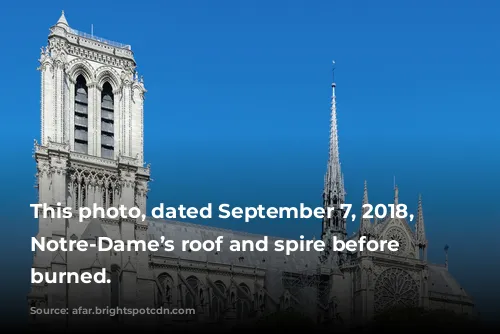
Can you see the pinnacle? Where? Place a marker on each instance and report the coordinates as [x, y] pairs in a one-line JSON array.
[[62, 20], [365, 193]]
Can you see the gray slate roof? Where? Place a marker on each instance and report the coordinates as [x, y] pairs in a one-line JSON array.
[[178, 231], [441, 281]]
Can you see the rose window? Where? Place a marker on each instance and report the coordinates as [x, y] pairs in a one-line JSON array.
[[395, 288], [395, 233]]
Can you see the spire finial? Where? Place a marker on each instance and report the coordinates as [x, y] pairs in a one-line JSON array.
[[333, 72]]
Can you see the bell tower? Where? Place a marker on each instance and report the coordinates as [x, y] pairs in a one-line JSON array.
[[90, 152]]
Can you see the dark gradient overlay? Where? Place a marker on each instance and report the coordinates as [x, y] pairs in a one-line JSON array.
[[372, 300]]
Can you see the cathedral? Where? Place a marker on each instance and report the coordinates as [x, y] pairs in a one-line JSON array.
[[91, 151]]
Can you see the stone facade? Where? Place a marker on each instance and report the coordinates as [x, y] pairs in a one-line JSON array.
[[91, 151]]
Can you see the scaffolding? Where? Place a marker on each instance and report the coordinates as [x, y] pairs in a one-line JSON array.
[[308, 285], [307, 291]]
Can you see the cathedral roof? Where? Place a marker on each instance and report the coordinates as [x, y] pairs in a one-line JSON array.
[[178, 231], [441, 282]]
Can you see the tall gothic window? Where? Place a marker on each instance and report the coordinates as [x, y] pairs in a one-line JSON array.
[[107, 122], [191, 301], [242, 305], [81, 115], [218, 301], [164, 295]]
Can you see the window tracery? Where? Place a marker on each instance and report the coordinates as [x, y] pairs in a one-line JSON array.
[[395, 288], [88, 186], [395, 233]]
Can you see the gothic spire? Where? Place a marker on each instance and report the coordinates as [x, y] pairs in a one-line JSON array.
[[334, 194], [396, 195], [334, 184], [364, 223], [419, 226], [62, 20]]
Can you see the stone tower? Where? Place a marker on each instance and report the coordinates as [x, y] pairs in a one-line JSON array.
[[91, 151]]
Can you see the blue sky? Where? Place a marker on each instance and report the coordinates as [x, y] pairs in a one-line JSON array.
[[237, 111]]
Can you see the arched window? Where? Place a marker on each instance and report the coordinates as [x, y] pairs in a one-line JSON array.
[[115, 287], [189, 299], [218, 301], [81, 115], [107, 122], [243, 305], [164, 297]]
